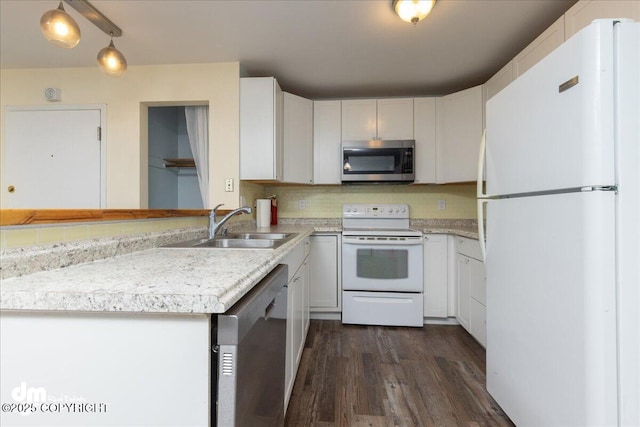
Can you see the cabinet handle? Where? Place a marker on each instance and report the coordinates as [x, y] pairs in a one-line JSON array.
[[426, 238]]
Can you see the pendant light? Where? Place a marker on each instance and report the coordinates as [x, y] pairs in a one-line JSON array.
[[111, 61], [60, 28], [413, 11]]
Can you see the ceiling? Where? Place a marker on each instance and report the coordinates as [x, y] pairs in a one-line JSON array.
[[315, 48]]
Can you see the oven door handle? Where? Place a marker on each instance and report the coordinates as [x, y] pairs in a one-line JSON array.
[[356, 241]]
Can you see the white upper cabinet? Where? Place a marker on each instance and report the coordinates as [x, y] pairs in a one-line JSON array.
[[543, 45], [459, 119], [395, 118], [366, 119], [297, 139], [327, 159], [359, 119], [583, 12], [424, 129], [261, 108], [499, 81]]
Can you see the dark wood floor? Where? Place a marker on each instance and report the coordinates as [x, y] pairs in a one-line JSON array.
[[388, 376]]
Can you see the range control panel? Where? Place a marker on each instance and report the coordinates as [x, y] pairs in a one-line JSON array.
[[375, 211]]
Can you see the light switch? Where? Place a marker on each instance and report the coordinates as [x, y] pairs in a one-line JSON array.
[[228, 185]]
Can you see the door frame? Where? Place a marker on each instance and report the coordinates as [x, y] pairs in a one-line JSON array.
[[103, 136]]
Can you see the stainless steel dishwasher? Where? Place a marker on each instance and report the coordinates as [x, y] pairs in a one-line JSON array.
[[250, 344]]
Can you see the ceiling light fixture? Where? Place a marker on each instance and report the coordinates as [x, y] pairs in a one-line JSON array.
[[110, 59], [60, 28], [413, 11]]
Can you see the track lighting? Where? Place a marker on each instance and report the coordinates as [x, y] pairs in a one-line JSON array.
[[61, 30]]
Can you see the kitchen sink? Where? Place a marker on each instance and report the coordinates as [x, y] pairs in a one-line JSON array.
[[239, 241], [269, 236]]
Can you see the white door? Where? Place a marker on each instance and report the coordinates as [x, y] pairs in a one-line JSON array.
[[52, 159], [551, 308]]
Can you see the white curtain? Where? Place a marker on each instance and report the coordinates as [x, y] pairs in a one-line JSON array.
[[198, 132]]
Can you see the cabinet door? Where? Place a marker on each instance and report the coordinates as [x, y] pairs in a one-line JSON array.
[[583, 12], [477, 283], [327, 158], [477, 301], [462, 289], [294, 330], [458, 133], [499, 81], [478, 321], [324, 274], [261, 102], [435, 275], [359, 118], [395, 118], [424, 131], [543, 45], [297, 139], [305, 305]]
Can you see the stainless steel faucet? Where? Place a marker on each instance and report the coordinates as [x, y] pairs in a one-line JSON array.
[[215, 226]]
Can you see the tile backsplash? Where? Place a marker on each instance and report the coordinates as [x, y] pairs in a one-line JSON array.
[[327, 201]]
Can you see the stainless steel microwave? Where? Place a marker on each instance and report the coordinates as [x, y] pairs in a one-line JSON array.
[[378, 161]]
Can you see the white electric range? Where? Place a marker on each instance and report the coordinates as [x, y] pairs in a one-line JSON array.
[[382, 266]]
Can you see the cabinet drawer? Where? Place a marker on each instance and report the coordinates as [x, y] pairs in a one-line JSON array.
[[468, 247]]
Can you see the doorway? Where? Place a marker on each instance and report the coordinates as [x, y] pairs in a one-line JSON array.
[[173, 177]]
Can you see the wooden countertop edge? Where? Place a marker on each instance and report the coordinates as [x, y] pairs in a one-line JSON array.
[[52, 216]]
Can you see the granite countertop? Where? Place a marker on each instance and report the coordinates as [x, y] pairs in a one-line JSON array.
[[470, 232], [159, 280], [133, 274]]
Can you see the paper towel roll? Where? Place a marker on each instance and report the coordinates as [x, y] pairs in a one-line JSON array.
[[263, 214]]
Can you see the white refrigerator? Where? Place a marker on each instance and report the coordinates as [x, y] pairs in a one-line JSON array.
[[562, 197]]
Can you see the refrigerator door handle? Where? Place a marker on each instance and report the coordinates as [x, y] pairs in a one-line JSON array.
[[482, 197], [483, 144], [483, 249]]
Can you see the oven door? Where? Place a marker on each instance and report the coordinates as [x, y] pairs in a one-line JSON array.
[[376, 263]]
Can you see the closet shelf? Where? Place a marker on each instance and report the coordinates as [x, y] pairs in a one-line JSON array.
[[179, 163]]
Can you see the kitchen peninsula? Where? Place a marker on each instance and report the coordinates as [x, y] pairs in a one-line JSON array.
[[127, 339]]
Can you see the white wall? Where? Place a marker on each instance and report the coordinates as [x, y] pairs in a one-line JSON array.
[[127, 98]]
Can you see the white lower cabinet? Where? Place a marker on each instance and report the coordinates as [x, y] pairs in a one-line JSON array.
[[435, 275], [297, 312], [324, 273], [123, 368], [470, 288]]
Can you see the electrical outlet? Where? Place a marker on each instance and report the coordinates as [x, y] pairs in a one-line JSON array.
[[302, 204], [442, 204], [228, 185]]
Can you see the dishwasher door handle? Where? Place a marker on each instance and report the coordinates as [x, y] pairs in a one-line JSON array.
[[269, 309]]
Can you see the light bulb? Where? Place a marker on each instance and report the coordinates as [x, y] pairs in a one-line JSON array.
[[112, 61], [60, 28]]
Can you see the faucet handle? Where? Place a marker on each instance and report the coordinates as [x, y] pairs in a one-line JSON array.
[[214, 210]]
